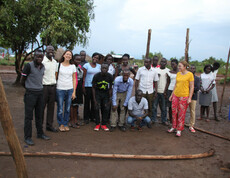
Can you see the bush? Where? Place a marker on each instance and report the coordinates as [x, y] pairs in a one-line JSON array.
[[227, 81]]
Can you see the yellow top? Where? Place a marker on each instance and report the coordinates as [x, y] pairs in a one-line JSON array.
[[182, 84]]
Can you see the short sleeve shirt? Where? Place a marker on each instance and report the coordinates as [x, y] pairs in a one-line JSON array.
[[65, 77], [91, 71], [137, 109], [102, 82], [162, 79], [172, 77], [182, 84], [207, 80]]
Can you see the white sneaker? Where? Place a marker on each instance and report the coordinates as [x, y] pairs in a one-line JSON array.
[[192, 129], [178, 133], [171, 130]]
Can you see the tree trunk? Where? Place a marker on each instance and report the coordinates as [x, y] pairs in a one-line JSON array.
[[18, 69], [148, 43], [186, 45]]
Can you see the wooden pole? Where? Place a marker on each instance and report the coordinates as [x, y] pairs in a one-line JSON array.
[[148, 43], [186, 46], [11, 136], [119, 156], [225, 78]]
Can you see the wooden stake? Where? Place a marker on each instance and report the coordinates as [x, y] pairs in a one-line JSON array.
[[119, 156], [148, 43], [225, 78], [11, 136], [186, 46]]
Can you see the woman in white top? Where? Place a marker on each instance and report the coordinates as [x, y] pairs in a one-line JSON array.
[[66, 89], [207, 83], [171, 81]]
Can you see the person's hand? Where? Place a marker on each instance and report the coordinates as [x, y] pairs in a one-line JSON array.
[[140, 118], [165, 95], [114, 108], [170, 98], [154, 95], [189, 100], [73, 96], [83, 90]]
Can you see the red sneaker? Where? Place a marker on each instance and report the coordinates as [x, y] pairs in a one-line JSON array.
[[104, 127], [97, 127]]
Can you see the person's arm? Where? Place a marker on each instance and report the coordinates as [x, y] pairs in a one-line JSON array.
[[170, 98], [155, 87], [191, 90], [114, 97], [133, 71], [25, 73], [74, 86], [129, 93], [83, 83], [146, 112], [167, 85], [137, 80]]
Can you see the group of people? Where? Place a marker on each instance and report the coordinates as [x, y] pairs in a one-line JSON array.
[[105, 90]]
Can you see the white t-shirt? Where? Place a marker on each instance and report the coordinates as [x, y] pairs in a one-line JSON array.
[[172, 77], [146, 78], [207, 80], [162, 79], [111, 69], [215, 73], [65, 77]]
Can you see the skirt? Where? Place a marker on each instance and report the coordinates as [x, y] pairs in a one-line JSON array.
[[214, 95], [205, 99]]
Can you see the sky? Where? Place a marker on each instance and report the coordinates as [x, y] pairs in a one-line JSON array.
[[122, 26]]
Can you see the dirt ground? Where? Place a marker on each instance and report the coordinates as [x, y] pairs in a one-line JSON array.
[[155, 141]]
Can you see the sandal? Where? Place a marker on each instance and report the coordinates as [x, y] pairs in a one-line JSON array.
[[62, 128]]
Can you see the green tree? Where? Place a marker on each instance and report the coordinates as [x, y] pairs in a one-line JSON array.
[[59, 23], [159, 54]]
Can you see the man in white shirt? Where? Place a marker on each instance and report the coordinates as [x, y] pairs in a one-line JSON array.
[[49, 87], [145, 78], [161, 97]]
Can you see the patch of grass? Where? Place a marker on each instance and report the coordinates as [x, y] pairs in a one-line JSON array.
[[7, 62]]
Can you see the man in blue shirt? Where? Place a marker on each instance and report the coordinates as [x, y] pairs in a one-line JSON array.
[[122, 91]]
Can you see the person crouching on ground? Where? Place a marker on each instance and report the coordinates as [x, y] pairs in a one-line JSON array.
[[122, 91], [32, 76], [102, 94], [181, 97], [138, 111]]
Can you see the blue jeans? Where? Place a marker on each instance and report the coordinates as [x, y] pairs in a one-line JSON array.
[[162, 102], [63, 96], [145, 121]]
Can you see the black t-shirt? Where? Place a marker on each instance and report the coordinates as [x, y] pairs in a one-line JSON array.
[[102, 82]]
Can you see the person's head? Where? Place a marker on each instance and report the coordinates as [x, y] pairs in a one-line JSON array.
[[66, 56], [163, 63], [216, 65], [207, 68], [76, 59], [83, 55], [95, 58], [38, 56], [183, 65], [174, 64], [138, 96], [125, 59], [109, 59], [147, 63], [193, 69], [49, 52], [125, 74], [104, 68], [155, 61]]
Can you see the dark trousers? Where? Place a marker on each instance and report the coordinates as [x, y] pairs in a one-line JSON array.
[[33, 101], [88, 105], [161, 100], [102, 99], [49, 94]]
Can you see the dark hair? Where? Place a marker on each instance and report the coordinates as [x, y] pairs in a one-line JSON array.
[[174, 60], [138, 91], [126, 55], [107, 56], [206, 66], [82, 51], [62, 57], [76, 55], [155, 56], [38, 51], [105, 63], [95, 54], [216, 64]]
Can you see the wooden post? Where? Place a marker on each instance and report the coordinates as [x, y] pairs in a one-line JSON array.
[[11, 136], [225, 78], [148, 43], [186, 45]]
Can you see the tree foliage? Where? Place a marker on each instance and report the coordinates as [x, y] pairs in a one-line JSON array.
[[58, 22]]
